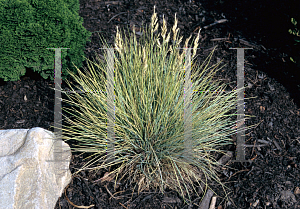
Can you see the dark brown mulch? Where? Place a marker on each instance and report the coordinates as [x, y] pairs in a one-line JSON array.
[[271, 179]]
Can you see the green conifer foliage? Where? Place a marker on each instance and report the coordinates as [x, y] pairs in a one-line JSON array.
[[29, 27]]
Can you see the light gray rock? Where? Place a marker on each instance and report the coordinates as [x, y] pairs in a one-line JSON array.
[[31, 177]]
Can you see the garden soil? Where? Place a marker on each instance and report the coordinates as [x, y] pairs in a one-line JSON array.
[[271, 180]]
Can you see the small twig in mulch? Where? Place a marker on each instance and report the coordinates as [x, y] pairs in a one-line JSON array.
[[217, 22], [237, 173], [297, 140], [119, 14], [116, 16], [112, 196], [77, 206], [123, 205]]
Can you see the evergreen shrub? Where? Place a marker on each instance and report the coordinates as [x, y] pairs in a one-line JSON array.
[[29, 27]]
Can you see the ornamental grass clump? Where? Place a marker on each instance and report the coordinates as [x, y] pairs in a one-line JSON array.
[[149, 149]]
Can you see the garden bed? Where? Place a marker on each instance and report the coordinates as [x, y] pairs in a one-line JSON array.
[[269, 76]]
